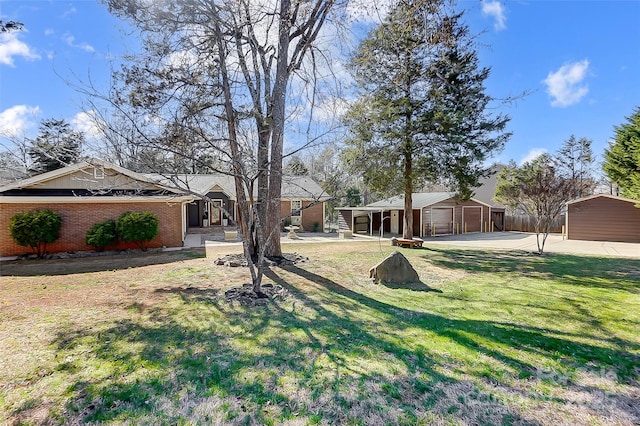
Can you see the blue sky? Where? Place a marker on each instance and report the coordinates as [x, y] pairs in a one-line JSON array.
[[578, 60]]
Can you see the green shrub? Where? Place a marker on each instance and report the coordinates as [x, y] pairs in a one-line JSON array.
[[137, 227], [316, 226], [102, 234], [35, 229]]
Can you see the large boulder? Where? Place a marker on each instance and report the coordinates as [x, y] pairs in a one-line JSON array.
[[395, 269]]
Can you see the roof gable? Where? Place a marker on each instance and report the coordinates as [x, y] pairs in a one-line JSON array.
[[614, 197], [92, 175]]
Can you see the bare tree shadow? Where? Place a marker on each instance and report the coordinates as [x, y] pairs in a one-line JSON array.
[[192, 294], [587, 271], [165, 363], [622, 359]]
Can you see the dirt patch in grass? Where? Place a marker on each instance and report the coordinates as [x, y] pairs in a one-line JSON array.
[[34, 267]]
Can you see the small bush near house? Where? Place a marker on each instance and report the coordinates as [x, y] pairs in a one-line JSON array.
[[35, 229], [102, 234], [137, 227], [316, 226]]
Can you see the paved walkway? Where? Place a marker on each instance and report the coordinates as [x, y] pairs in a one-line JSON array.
[[554, 244], [495, 240]]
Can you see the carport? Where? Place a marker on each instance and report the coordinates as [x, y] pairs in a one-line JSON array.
[[364, 220]]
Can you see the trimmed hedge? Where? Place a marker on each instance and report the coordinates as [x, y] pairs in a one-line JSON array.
[[102, 234], [137, 227], [35, 229]]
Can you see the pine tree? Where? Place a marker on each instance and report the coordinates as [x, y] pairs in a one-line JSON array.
[[56, 146], [575, 161], [622, 159], [424, 114], [296, 167]]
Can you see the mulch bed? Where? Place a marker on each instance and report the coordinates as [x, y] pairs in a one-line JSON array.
[[236, 260], [244, 294]]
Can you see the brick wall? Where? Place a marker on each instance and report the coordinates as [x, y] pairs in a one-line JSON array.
[[77, 218], [285, 208], [309, 215]]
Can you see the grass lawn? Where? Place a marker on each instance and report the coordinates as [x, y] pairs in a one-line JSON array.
[[488, 337]]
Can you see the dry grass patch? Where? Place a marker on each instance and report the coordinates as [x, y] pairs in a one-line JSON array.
[[486, 338]]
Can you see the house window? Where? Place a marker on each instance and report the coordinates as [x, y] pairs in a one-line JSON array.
[[296, 206], [296, 212]]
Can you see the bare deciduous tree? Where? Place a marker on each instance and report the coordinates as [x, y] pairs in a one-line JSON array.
[[211, 86], [537, 189]]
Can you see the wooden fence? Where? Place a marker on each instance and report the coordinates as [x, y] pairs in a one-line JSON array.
[[525, 223]]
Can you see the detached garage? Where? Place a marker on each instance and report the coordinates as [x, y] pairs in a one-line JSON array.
[[434, 213], [604, 218]]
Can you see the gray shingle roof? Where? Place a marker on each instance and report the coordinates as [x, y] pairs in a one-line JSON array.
[[293, 187], [419, 200]]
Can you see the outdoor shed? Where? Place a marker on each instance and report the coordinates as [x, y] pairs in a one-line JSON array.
[[604, 218]]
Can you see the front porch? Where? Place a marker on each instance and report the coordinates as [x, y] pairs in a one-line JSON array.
[[196, 237], [205, 214]]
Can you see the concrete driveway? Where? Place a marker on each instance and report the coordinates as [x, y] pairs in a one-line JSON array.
[[495, 240], [527, 241]]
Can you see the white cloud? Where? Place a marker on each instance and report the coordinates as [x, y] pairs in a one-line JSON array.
[[71, 11], [70, 40], [85, 122], [11, 46], [565, 85], [17, 119], [494, 9], [532, 155]]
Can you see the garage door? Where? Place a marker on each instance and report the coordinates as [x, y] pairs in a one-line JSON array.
[[472, 216], [442, 221]]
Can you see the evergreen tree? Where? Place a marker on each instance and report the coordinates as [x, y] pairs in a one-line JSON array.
[[296, 167], [575, 161], [423, 115], [56, 146], [622, 159]]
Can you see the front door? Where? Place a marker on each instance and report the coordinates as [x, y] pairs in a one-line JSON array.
[[216, 212], [395, 222], [193, 210]]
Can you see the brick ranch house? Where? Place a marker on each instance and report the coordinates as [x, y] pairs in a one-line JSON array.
[[302, 198], [93, 191]]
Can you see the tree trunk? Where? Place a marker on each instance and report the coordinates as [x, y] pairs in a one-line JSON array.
[[407, 231], [264, 176], [277, 135], [246, 217]]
